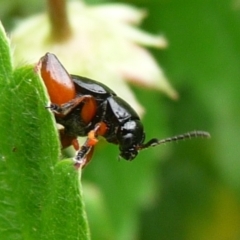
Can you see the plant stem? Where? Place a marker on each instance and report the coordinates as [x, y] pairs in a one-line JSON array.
[[60, 27]]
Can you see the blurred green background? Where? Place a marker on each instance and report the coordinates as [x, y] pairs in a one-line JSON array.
[[189, 190]]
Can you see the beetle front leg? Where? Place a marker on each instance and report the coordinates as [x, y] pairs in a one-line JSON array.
[[84, 155]]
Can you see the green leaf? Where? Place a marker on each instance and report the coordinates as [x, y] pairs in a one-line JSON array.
[[35, 188], [62, 219]]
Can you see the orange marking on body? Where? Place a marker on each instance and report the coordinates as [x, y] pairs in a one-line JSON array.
[[89, 109], [102, 129]]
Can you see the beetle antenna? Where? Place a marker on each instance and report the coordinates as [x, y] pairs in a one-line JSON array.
[[194, 134]]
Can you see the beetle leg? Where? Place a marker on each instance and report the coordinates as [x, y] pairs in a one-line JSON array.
[[67, 140], [65, 108], [92, 140], [100, 129], [84, 155]]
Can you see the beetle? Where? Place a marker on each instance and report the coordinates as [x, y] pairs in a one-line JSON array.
[[85, 107]]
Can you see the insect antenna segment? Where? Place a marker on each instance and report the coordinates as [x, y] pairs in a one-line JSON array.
[[194, 134]]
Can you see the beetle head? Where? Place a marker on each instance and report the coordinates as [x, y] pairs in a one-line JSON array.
[[130, 136]]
